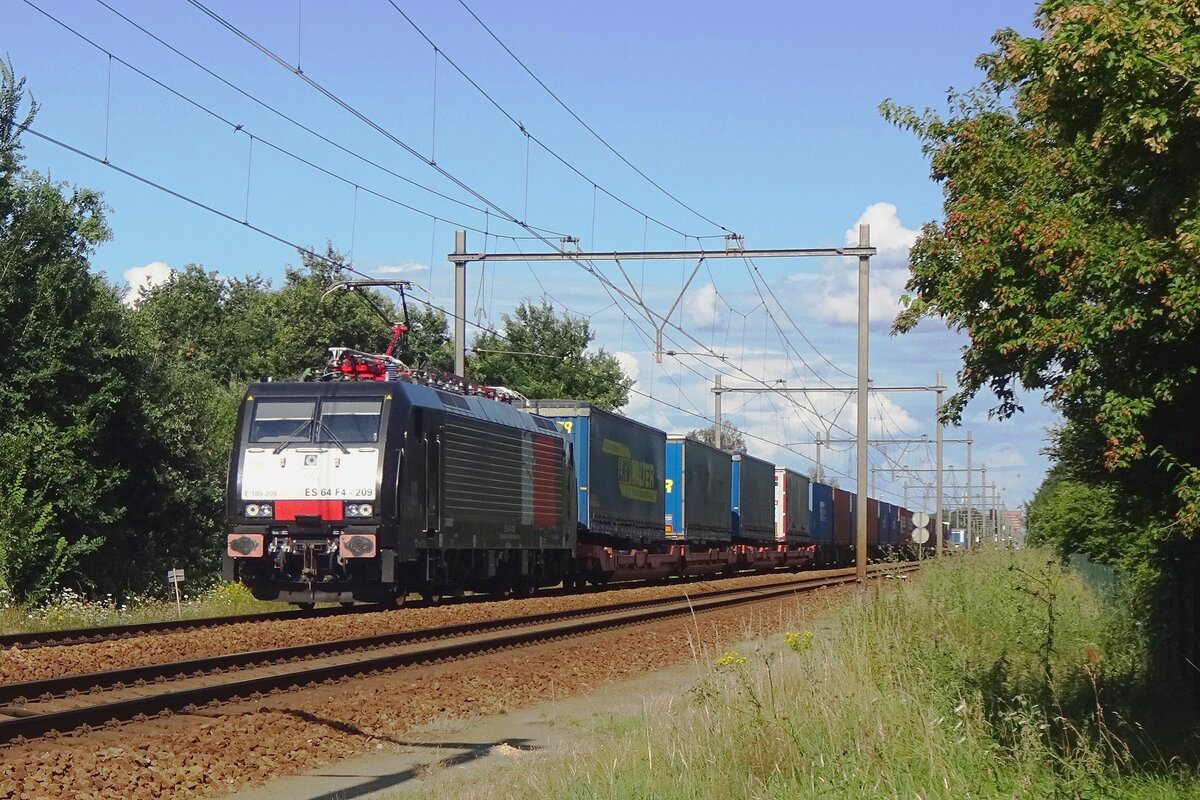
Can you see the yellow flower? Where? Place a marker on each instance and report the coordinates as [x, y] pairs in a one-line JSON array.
[[799, 642], [731, 659]]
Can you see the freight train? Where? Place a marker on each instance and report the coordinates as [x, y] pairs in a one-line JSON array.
[[375, 482]]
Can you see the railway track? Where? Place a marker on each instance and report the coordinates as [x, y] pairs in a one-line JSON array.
[[108, 633], [37, 708], [73, 636]]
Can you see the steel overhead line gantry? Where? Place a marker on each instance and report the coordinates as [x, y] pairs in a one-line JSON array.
[[969, 492], [861, 439], [733, 249], [924, 439], [941, 469]]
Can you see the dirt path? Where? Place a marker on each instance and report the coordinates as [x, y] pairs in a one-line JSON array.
[[450, 757], [225, 749], [436, 760]]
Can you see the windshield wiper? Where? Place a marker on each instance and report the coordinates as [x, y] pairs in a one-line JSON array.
[[290, 440], [333, 436]]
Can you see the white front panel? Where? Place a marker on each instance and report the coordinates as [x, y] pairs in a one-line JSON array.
[[309, 473]]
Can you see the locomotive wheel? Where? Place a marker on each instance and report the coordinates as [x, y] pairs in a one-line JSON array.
[[523, 587], [346, 604], [306, 606], [396, 601], [434, 598]]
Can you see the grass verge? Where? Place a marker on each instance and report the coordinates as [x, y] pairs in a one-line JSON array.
[[994, 675], [67, 609]]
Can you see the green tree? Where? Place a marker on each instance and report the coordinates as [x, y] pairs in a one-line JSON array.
[[1068, 248], [308, 320], [732, 438], [427, 343], [34, 556], [543, 355], [216, 326], [64, 390], [1074, 516]]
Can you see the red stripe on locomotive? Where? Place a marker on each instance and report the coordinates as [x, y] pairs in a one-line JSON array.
[[546, 471], [325, 509]]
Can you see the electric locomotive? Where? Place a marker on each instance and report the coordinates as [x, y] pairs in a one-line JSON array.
[[392, 482]]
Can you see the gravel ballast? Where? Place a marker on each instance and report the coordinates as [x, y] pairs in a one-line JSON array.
[[217, 750]]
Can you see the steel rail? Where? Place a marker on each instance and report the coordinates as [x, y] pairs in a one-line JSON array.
[[91, 681], [473, 639], [73, 636], [69, 636]]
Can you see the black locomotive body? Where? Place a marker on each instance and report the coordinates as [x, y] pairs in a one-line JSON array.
[[369, 490]]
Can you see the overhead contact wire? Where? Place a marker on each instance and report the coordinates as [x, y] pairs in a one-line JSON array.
[[586, 126], [517, 123]]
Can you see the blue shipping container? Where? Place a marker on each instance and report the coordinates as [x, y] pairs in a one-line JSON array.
[[887, 523]]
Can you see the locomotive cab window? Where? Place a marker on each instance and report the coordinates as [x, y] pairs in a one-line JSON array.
[[349, 421], [281, 420]]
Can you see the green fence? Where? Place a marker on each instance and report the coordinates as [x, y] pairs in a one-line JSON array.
[[1100, 578]]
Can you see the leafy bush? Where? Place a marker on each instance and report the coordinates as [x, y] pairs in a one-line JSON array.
[[995, 675], [32, 557]]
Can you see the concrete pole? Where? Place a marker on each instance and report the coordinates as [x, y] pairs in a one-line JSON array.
[[969, 536], [995, 512], [460, 304], [717, 412], [819, 477], [864, 311], [937, 421], [983, 525]]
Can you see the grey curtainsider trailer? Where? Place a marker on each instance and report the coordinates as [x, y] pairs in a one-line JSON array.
[[619, 467]]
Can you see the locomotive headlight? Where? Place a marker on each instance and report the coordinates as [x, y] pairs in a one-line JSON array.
[[359, 509], [252, 509]]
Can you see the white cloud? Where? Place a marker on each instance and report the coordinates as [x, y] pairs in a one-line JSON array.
[[888, 235], [629, 364], [1003, 456], [144, 278], [837, 283], [400, 269], [838, 300], [702, 308]]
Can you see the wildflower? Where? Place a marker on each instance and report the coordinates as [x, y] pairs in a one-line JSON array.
[[800, 642], [731, 659]]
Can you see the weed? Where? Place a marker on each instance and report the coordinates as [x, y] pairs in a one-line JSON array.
[[995, 675]]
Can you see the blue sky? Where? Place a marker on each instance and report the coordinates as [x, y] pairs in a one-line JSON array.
[[762, 118]]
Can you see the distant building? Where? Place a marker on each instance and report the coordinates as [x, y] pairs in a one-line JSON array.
[[1012, 527]]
